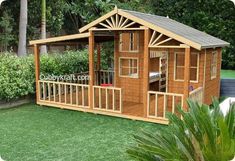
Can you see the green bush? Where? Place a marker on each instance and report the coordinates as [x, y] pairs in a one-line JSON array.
[[17, 77]]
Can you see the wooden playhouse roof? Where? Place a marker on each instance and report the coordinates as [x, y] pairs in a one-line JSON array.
[[166, 26], [169, 27]]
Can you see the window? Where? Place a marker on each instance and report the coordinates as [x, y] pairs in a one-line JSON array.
[[179, 66], [128, 67], [214, 64], [129, 41]]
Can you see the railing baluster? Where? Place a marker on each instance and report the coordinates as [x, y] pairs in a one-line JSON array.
[[113, 99], [156, 104], [59, 88], [39, 90], [83, 101], [44, 91], [148, 103], [108, 78], [54, 90], [49, 91], [173, 104], [106, 98], [76, 94], [164, 110], [65, 88], [71, 94], [100, 96]]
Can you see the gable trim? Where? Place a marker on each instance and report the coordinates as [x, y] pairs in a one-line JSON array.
[[142, 22]]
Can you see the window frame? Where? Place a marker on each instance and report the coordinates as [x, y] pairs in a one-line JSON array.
[[214, 64], [137, 67], [131, 43], [198, 65]]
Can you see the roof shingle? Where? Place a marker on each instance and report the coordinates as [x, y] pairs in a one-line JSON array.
[[202, 38]]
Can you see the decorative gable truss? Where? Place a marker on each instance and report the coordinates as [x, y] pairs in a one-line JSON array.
[[159, 40], [117, 22]]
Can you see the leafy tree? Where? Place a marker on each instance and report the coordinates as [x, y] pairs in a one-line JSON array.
[[215, 17], [6, 29], [203, 134]]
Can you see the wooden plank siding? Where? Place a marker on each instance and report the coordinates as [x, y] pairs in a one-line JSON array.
[[176, 86], [212, 86], [132, 87]]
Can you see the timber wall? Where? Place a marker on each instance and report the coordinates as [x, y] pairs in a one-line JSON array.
[[212, 86]]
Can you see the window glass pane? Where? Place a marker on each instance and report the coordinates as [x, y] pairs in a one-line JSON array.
[[214, 65], [193, 74], [179, 59], [129, 67], [179, 73], [193, 60], [129, 41]]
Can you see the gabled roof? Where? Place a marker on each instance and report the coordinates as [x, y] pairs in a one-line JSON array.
[[166, 26]]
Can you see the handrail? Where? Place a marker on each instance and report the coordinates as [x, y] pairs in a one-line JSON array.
[[196, 90], [197, 95]]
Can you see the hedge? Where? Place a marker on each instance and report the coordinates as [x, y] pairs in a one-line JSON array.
[[17, 76]]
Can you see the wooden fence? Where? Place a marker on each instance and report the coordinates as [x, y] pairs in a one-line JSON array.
[[104, 77], [107, 99], [159, 103], [64, 93]]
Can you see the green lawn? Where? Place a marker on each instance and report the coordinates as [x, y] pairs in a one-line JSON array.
[[228, 74], [34, 132]]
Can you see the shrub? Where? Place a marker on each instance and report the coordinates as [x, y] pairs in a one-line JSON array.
[[17, 77], [203, 134]]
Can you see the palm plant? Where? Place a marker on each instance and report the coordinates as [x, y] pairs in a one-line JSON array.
[[203, 134]]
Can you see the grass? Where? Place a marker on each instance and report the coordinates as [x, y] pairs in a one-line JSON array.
[[33, 132], [228, 74]]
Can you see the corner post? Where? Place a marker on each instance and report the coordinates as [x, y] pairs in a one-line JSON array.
[[37, 70], [146, 70], [91, 67], [186, 76]]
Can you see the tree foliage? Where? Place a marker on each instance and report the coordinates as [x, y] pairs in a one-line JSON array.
[[216, 17]]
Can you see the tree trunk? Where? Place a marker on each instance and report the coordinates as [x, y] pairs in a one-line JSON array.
[[43, 49], [22, 49]]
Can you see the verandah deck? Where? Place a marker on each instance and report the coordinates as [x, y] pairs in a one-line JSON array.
[[108, 101]]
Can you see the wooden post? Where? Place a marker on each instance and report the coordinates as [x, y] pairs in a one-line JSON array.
[[116, 58], [186, 76], [91, 67], [37, 70], [98, 48], [98, 64], [146, 70]]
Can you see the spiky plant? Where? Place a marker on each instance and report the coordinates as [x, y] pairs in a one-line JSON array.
[[204, 134]]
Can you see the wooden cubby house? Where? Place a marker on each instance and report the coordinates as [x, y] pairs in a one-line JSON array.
[[158, 64]]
